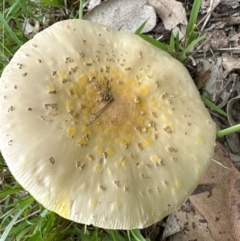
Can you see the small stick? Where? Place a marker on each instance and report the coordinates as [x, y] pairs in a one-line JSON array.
[[94, 116], [219, 163]]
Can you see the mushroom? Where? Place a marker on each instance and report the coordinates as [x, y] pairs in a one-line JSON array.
[[101, 127]]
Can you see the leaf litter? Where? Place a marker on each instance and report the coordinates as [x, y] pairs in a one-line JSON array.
[[171, 12], [214, 212]]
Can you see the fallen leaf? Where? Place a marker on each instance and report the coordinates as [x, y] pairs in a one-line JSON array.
[[232, 20], [235, 40], [229, 63], [171, 12], [236, 160], [178, 237], [232, 3], [235, 206], [215, 213], [180, 31], [233, 142], [192, 223], [219, 40], [30, 29], [215, 81], [124, 14], [171, 227], [210, 4], [202, 77], [230, 110]]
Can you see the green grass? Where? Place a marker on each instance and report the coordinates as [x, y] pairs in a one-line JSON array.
[[175, 47], [11, 18], [21, 217], [80, 12]]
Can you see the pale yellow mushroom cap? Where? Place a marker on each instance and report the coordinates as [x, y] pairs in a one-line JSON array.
[[101, 127]]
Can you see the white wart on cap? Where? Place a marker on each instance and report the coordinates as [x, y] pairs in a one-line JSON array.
[[101, 127]]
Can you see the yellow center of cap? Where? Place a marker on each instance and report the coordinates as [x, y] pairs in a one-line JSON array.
[[104, 107]]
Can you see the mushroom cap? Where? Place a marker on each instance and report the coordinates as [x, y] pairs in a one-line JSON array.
[[101, 127]]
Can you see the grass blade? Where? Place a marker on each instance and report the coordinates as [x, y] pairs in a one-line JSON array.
[[139, 30], [129, 235], [80, 11], [192, 20], [183, 56], [10, 31], [95, 235], [10, 225], [228, 130], [177, 43], [12, 10], [213, 107], [154, 42], [137, 235], [115, 235], [7, 192], [172, 43], [53, 3]]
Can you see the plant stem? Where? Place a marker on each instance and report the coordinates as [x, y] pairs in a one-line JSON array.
[[228, 130], [80, 12]]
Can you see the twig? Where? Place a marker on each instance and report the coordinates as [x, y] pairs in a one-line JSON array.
[[207, 16], [94, 116], [219, 163]]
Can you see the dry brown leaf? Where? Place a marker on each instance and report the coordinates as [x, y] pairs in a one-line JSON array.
[[202, 77], [230, 109], [216, 81], [232, 3], [229, 63], [233, 142], [236, 160], [214, 213], [234, 195], [178, 237], [235, 40], [192, 223], [171, 227], [219, 40], [210, 4], [171, 12], [232, 20], [124, 14]]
